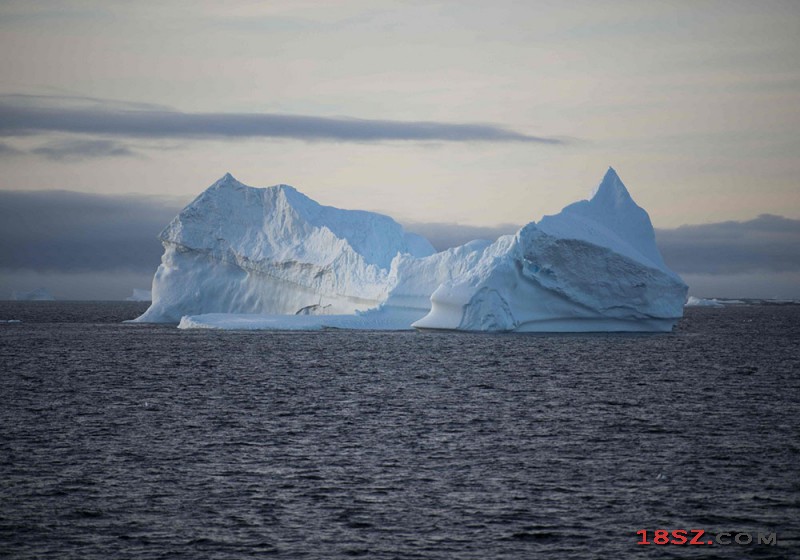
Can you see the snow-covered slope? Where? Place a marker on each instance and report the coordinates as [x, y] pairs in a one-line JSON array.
[[593, 267], [238, 249], [270, 258]]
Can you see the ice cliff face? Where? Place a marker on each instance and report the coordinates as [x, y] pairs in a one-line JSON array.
[[235, 249]]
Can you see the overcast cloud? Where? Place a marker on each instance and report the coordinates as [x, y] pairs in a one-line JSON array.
[[6, 150], [24, 115], [68, 231], [767, 243], [77, 149], [69, 235]]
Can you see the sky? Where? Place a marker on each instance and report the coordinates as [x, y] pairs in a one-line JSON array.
[[456, 118]]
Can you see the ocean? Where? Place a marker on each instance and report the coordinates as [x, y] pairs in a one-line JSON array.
[[142, 441]]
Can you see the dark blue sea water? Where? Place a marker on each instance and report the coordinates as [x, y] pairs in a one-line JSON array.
[[131, 441]]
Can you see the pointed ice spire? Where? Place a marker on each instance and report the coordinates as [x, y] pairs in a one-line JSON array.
[[611, 190], [227, 181], [610, 218]]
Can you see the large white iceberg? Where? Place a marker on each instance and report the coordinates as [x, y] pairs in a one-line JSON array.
[[592, 267], [241, 257], [239, 249]]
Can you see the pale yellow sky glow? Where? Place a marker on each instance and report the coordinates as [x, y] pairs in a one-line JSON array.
[[694, 103]]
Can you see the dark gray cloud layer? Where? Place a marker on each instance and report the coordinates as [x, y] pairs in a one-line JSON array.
[[76, 149], [69, 231], [72, 232], [21, 116], [768, 243]]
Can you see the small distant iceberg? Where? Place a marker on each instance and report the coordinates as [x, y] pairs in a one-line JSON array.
[[39, 294], [140, 295], [702, 302]]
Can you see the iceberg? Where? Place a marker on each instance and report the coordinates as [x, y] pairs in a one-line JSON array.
[[39, 294], [703, 302], [594, 266], [140, 295], [239, 257], [239, 249]]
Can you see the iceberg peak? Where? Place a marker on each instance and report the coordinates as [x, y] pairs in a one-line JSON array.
[[292, 196], [611, 219], [611, 191], [227, 179]]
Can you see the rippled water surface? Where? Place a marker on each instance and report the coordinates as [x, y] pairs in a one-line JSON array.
[[131, 441]]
